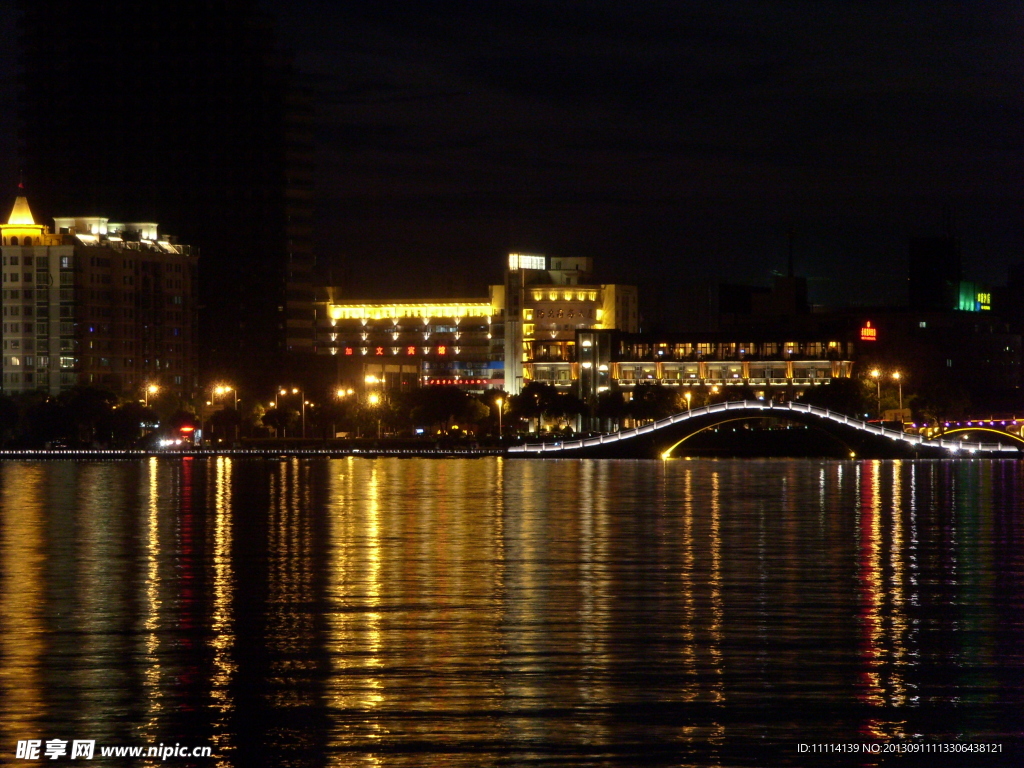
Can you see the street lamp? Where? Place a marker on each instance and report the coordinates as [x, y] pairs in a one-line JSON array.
[[374, 400], [688, 396], [877, 376], [899, 381], [223, 389], [302, 396], [500, 402], [152, 389]]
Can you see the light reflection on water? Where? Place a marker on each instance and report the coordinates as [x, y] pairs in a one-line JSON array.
[[403, 612]]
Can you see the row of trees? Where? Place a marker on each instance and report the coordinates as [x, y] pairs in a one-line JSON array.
[[93, 416], [84, 416]]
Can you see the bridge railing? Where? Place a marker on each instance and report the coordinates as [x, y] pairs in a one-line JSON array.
[[758, 407]]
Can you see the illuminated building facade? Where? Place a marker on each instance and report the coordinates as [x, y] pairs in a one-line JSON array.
[[546, 303], [409, 343], [96, 303], [477, 343], [773, 368]]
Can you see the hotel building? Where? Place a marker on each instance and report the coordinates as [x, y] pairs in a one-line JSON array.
[[96, 303], [476, 343], [405, 344]]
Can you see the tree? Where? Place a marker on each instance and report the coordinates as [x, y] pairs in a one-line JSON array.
[[8, 418], [224, 423], [281, 419], [651, 402], [611, 408], [436, 406], [122, 427], [87, 407], [843, 395], [940, 401]]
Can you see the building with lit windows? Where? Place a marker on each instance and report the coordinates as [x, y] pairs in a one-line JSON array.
[[546, 302], [477, 343], [410, 343], [96, 303], [770, 367]]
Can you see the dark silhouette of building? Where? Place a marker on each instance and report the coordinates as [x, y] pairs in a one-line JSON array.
[[935, 273], [188, 113]]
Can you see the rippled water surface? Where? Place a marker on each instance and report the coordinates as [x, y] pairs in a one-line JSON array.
[[405, 612]]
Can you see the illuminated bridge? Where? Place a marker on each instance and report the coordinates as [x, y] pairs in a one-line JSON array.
[[852, 437]]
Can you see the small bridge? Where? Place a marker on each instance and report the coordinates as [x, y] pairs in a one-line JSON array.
[[855, 438]]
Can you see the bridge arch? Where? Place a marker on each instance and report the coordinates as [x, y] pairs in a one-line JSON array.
[[998, 432], [846, 447], [862, 439]]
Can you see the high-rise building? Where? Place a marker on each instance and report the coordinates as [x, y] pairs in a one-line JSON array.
[[188, 113], [935, 273], [96, 302]]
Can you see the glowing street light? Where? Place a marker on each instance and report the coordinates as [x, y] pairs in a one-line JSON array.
[[152, 389], [374, 399], [689, 397], [500, 402], [302, 395], [898, 377], [223, 389], [877, 376]]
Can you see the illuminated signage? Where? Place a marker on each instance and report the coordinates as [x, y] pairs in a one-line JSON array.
[[984, 301], [442, 349], [348, 350], [410, 350], [526, 261], [867, 333]]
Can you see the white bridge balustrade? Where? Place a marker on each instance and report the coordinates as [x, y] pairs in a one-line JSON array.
[[755, 408]]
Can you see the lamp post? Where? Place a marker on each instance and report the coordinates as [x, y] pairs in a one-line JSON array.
[[374, 399], [152, 389], [898, 377], [500, 402], [877, 376], [223, 389], [689, 397]]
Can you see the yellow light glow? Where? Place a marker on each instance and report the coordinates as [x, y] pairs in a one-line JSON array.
[[420, 309], [373, 399]]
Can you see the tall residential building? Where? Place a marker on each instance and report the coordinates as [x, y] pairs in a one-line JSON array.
[[191, 114], [96, 302]]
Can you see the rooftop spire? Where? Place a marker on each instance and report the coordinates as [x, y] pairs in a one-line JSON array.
[[20, 214]]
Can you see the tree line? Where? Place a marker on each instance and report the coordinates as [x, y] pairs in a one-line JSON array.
[[85, 416]]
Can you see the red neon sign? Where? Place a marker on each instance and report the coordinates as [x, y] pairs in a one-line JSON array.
[[410, 350], [867, 333], [442, 349], [348, 350], [380, 351]]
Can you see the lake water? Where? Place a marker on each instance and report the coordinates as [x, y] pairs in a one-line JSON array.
[[407, 612]]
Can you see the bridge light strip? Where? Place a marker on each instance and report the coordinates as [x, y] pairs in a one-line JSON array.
[[759, 406]]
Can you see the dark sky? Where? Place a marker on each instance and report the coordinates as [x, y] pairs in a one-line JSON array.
[[668, 140]]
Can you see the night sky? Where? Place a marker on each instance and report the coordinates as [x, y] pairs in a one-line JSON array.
[[668, 140]]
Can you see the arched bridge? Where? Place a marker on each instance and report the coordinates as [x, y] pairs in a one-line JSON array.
[[856, 438]]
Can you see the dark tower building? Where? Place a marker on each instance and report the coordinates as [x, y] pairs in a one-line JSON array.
[[935, 273], [185, 112]]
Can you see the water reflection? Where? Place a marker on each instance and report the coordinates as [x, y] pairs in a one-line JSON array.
[[483, 613], [22, 601]]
